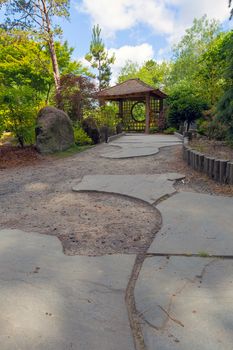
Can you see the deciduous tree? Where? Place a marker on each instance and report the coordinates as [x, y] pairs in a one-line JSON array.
[[37, 16]]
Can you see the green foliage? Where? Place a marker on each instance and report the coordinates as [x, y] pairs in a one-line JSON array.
[[154, 130], [99, 59], [169, 131], [138, 111], [105, 116], [225, 105], [198, 60], [18, 110], [184, 106], [150, 72], [27, 15], [23, 61], [70, 151], [80, 136], [202, 126]]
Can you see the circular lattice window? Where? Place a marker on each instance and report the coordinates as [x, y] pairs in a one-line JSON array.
[[138, 111]]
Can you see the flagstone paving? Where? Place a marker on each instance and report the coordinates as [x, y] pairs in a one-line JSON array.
[[178, 294], [52, 301], [138, 145], [148, 188], [195, 223], [186, 303]]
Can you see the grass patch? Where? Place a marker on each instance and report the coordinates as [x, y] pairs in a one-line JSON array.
[[71, 151]]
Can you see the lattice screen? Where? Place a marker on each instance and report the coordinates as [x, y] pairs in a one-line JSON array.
[[129, 124]]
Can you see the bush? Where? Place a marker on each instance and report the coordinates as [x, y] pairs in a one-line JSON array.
[[154, 130], [216, 130], [18, 111], [80, 136], [169, 131], [90, 127], [202, 126], [105, 116], [184, 106]]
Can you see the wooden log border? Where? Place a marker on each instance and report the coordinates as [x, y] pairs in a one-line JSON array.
[[220, 170]]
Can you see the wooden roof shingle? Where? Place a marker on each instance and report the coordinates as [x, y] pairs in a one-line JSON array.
[[129, 87]]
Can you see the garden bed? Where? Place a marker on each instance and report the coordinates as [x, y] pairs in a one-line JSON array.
[[212, 163], [216, 149], [13, 156]]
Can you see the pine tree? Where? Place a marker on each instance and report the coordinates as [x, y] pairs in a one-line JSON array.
[[99, 59]]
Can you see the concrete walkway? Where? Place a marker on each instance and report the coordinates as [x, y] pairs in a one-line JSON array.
[[178, 294]]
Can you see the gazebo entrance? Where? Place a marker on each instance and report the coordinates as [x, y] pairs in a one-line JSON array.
[[140, 105]]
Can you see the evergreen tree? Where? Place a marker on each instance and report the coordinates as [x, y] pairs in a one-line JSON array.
[[99, 59]]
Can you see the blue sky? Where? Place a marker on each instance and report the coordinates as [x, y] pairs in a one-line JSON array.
[[138, 29]]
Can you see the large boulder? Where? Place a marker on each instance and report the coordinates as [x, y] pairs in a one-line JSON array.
[[90, 127], [54, 131]]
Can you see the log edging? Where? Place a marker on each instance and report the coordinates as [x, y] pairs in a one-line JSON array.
[[220, 170]]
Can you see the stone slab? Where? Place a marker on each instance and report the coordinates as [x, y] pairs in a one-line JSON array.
[[195, 223], [186, 303], [137, 145], [55, 302], [148, 188]]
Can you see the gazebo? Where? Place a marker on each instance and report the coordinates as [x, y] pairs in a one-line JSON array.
[[140, 105]]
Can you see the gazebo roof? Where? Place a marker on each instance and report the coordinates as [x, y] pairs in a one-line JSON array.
[[129, 89]]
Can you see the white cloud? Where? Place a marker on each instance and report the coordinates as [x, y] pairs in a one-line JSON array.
[[138, 54], [114, 15], [167, 17]]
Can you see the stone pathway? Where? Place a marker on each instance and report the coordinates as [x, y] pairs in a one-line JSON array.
[[52, 301], [148, 188], [178, 294], [137, 145]]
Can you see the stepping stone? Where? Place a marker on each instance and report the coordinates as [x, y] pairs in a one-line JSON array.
[[148, 188], [138, 145], [52, 301], [195, 223], [186, 303]]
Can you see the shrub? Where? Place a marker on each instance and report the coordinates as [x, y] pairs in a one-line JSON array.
[[154, 130], [76, 95], [90, 127], [169, 131], [216, 130], [202, 126], [18, 111], [105, 116], [184, 106], [80, 136]]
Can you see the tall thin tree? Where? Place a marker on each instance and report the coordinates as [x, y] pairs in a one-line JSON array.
[[99, 58]]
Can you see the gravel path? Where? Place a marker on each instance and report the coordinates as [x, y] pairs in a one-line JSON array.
[[39, 198]]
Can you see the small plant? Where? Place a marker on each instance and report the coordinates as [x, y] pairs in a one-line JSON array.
[[203, 254], [80, 136], [169, 131], [154, 130]]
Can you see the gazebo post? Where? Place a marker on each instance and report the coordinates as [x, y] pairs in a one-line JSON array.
[[147, 131], [121, 108]]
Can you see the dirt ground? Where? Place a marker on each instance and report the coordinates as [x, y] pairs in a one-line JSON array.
[[38, 197], [217, 149], [13, 156]]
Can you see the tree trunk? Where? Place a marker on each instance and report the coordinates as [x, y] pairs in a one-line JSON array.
[[56, 72], [52, 50]]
